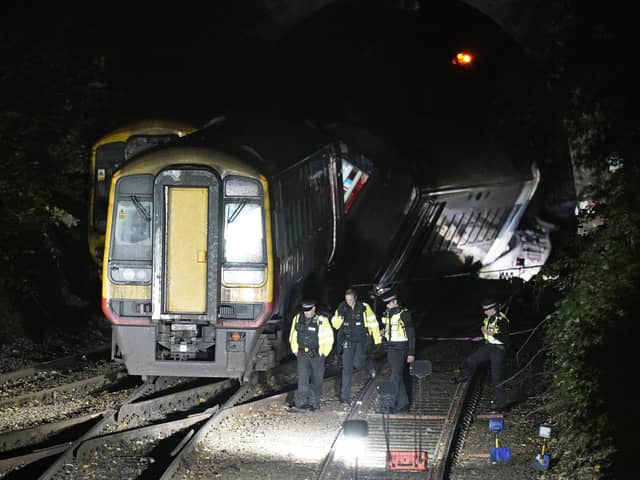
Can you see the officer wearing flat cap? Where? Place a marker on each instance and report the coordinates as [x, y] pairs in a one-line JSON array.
[[399, 337], [311, 340], [495, 330]]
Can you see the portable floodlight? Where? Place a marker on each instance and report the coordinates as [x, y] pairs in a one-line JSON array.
[[542, 459], [355, 434], [498, 454], [496, 424]]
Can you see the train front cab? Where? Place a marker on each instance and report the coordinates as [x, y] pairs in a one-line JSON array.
[[111, 152], [177, 221]]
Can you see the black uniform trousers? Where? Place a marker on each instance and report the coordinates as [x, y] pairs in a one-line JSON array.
[[354, 357], [310, 377], [397, 356], [494, 354]]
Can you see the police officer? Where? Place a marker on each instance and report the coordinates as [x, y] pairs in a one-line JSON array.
[[495, 330], [357, 328], [311, 340], [399, 337]]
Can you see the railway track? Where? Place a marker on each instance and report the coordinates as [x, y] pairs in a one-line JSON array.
[[138, 438], [69, 362], [121, 438], [397, 445], [263, 439], [171, 428]]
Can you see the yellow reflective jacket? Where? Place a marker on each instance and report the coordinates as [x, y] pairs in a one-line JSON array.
[[369, 318], [320, 326], [394, 328], [498, 325]]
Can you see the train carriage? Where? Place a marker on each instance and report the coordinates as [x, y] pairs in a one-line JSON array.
[[213, 239], [112, 151], [457, 215]]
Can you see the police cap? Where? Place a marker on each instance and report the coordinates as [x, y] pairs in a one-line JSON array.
[[488, 303], [388, 297], [308, 305]]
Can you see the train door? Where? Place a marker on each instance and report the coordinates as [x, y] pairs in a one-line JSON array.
[[186, 260]]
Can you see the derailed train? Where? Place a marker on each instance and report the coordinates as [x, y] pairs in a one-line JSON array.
[[213, 239], [111, 152], [208, 248]]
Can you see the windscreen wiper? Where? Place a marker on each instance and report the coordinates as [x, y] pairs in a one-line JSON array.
[[236, 212], [143, 211]]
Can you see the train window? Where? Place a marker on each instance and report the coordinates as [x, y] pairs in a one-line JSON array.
[[139, 143], [489, 228], [308, 216], [353, 179], [133, 228], [305, 203], [133, 214], [300, 214], [243, 233], [241, 187]]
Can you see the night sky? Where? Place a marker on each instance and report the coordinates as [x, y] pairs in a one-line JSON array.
[[165, 60], [350, 60]]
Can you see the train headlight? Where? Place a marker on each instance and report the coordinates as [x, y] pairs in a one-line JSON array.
[[131, 274], [245, 276], [143, 275]]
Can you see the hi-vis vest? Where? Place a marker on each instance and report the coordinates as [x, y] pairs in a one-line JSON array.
[[311, 334], [394, 329], [492, 322], [362, 322]]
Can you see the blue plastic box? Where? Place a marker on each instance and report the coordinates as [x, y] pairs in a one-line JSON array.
[[541, 462], [496, 424], [500, 454]]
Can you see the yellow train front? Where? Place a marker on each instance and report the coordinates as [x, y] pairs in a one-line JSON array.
[[189, 274], [111, 152]]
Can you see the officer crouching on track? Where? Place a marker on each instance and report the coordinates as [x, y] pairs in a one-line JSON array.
[[399, 338], [495, 330], [311, 340], [358, 330]]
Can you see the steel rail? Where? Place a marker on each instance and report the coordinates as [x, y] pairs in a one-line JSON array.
[[63, 362]]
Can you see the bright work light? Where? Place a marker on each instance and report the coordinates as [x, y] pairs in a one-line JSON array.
[[355, 433], [355, 436]]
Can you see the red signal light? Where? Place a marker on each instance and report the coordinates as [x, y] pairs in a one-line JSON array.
[[463, 59]]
